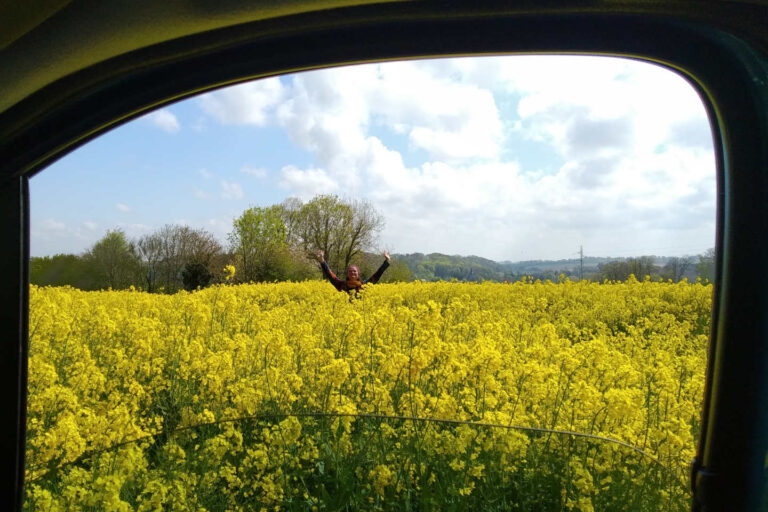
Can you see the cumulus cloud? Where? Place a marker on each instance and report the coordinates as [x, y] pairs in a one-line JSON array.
[[629, 143], [165, 120], [599, 136], [452, 121], [497, 211], [248, 103], [231, 190], [332, 112], [307, 183], [636, 149], [559, 94], [122, 207], [590, 173]]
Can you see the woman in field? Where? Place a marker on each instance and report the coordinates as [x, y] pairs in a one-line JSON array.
[[352, 283]]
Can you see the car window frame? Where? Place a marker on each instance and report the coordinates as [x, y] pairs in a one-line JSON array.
[[727, 68]]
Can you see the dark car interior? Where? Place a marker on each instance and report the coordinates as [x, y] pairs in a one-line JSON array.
[[72, 70]]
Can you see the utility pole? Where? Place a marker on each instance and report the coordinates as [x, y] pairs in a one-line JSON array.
[[581, 262]]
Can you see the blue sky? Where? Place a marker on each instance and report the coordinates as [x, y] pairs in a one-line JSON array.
[[509, 158]]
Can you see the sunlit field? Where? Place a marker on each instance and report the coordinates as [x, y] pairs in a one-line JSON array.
[[417, 396]]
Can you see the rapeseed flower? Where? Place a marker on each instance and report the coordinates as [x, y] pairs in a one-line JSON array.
[[181, 372]]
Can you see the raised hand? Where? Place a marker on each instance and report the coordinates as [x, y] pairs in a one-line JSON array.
[[386, 256], [320, 256]]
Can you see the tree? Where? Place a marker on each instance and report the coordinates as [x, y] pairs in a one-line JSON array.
[[169, 250], [322, 223], [365, 224], [113, 261], [341, 229], [398, 270], [259, 243], [174, 254], [300, 268], [290, 211], [150, 248], [61, 270], [201, 247], [641, 266], [614, 270], [676, 267], [195, 275], [705, 268]]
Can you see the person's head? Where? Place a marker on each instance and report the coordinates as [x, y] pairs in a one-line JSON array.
[[353, 273]]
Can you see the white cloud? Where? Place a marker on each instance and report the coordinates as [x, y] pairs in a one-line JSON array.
[[54, 227], [444, 149], [165, 120], [638, 165], [630, 154], [248, 103], [496, 211], [257, 172], [450, 120], [231, 190], [332, 113], [644, 102], [307, 183]]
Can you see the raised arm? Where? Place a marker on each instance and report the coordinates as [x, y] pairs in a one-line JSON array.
[[377, 275], [328, 273]]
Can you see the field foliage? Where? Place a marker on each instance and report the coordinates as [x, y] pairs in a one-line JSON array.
[[290, 397]]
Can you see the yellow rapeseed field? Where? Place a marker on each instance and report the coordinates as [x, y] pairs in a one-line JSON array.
[[290, 397]]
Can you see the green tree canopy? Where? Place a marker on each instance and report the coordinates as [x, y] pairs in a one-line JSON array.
[[113, 261], [705, 267], [342, 229], [61, 270], [259, 243]]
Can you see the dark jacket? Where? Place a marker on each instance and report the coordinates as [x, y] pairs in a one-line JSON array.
[[341, 284]]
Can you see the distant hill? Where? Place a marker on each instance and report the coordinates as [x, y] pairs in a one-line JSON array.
[[444, 267]]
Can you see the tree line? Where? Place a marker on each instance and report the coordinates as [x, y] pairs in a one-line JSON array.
[[442, 267], [274, 243], [674, 268], [278, 243]]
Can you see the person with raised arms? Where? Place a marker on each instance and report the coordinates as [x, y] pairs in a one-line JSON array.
[[353, 282]]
